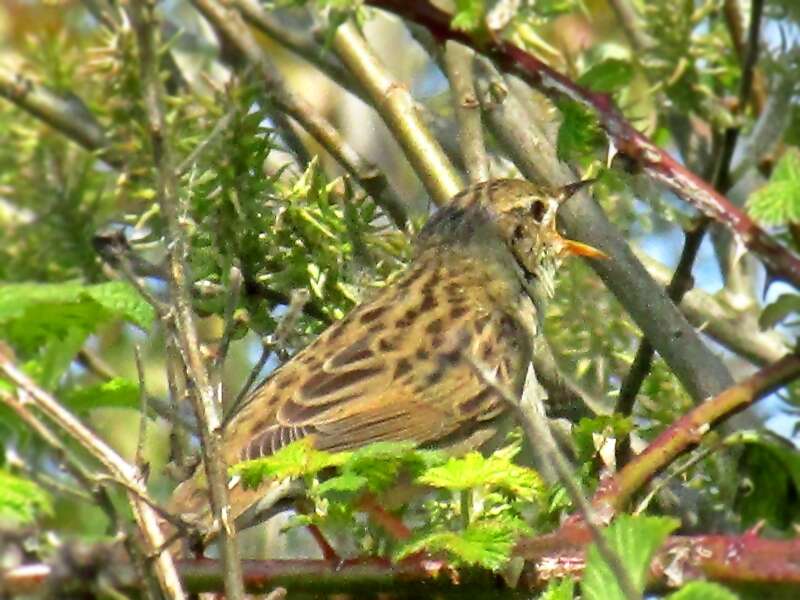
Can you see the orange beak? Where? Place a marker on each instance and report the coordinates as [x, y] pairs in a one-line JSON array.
[[578, 249], [571, 246]]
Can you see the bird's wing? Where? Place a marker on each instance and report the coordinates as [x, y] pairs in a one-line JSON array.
[[409, 381]]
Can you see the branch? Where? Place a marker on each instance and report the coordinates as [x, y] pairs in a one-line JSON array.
[[725, 558], [735, 329], [397, 109], [689, 430], [459, 64], [701, 372], [654, 161], [121, 470], [228, 22], [206, 401], [68, 116]]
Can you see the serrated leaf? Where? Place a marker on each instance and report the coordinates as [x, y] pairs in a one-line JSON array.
[[382, 462], [494, 472], [32, 313], [485, 543], [21, 500], [635, 540], [115, 393], [345, 483], [778, 202], [702, 590], [562, 589], [608, 75], [775, 312], [298, 459], [122, 300]]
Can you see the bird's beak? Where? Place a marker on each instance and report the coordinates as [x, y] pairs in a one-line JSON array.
[[579, 249], [573, 247], [569, 190]]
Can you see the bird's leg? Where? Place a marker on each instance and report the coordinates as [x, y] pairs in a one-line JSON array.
[[393, 526], [328, 552]]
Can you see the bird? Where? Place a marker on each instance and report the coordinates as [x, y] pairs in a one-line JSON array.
[[401, 365]]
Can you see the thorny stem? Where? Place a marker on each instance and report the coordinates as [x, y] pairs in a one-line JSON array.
[[689, 430]]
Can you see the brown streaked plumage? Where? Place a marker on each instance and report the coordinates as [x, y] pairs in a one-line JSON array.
[[398, 367]]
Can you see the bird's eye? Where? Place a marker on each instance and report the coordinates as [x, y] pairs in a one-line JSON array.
[[538, 210]]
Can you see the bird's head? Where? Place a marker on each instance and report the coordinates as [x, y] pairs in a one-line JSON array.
[[523, 214]]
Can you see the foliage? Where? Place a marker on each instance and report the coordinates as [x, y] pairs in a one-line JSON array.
[[635, 541], [778, 202], [21, 500], [493, 490], [291, 221]]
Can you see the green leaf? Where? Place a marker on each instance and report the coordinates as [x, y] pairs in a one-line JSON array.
[[579, 133], [561, 589], [116, 393], [469, 15], [347, 483], [776, 312], [702, 590], [382, 462], [494, 472], [607, 76], [485, 543], [123, 301], [33, 313], [768, 464], [298, 459], [778, 202], [635, 540], [614, 425], [21, 500]]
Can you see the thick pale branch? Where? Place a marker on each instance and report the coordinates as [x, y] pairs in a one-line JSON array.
[[396, 107]]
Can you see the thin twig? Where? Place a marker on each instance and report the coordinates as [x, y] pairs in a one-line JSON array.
[[206, 403], [146, 518], [234, 290], [219, 128], [274, 343], [143, 417], [536, 428]]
